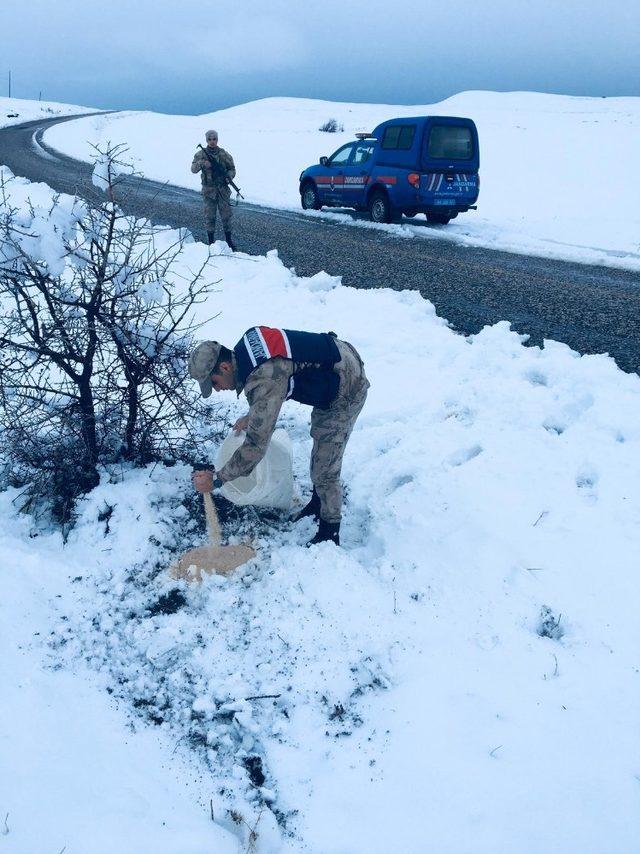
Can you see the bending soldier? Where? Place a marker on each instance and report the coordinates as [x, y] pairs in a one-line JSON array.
[[216, 168], [270, 366]]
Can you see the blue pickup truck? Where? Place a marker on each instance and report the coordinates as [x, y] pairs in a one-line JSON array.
[[427, 164]]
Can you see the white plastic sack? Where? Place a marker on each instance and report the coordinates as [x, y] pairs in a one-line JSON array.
[[270, 484]]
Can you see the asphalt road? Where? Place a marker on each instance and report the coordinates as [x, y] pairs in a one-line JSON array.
[[592, 309]]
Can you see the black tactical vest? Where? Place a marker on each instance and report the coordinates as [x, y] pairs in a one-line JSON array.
[[316, 384]]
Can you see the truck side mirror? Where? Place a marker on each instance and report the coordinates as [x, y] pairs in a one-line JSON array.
[[324, 161]]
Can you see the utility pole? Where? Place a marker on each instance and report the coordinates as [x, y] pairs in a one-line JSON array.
[[9, 83]]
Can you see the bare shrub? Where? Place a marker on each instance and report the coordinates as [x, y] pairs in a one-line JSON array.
[[331, 126], [95, 326]]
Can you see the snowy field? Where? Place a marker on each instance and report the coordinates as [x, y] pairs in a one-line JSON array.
[[15, 111], [555, 169], [463, 676]]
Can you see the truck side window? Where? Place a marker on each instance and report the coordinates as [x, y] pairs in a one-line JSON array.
[[399, 137], [341, 156], [362, 154]]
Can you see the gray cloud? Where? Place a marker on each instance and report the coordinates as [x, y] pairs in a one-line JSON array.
[[196, 56]]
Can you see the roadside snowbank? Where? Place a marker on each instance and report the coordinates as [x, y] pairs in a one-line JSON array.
[[462, 674], [15, 111], [554, 168]]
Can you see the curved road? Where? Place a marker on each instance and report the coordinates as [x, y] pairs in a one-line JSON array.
[[592, 309]]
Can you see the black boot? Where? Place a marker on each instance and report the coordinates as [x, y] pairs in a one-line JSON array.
[[311, 509], [328, 532], [230, 243], [211, 237]]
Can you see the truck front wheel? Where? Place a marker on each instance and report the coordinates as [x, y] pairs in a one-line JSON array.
[[309, 197]]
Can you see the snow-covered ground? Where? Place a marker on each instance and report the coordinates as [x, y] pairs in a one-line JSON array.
[[555, 169], [463, 676], [14, 111], [76, 776]]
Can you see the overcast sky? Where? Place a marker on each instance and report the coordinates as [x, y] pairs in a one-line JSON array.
[[195, 56]]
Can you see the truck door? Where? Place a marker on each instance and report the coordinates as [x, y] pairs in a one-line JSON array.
[[450, 163], [356, 174], [331, 182]]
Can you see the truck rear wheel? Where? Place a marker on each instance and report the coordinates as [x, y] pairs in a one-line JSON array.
[[379, 207]]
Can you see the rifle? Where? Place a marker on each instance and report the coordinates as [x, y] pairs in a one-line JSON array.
[[218, 169]]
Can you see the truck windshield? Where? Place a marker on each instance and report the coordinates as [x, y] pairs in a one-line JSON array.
[[450, 142]]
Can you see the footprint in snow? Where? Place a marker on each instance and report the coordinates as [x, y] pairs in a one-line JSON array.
[[554, 426], [587, 482], [536, 377], [557, 422], [401, 480], [461, 413], [462, 456]]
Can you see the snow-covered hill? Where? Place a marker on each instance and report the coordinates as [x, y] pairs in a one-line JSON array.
[[14, 111], [555, 169], [462, 676]]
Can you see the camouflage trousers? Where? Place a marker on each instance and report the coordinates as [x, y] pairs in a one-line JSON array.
[[217, 199], [331, 428]]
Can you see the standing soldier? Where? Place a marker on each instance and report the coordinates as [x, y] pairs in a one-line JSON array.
[[216, 168], [270, 366]]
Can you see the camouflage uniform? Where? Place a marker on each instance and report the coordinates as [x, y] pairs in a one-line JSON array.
[[215, 190], [266, 389]]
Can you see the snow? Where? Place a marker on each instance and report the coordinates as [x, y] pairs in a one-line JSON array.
[[101, 177], [555, 169], [45, 228], [74, 776], [462, 675], [15, 111]]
